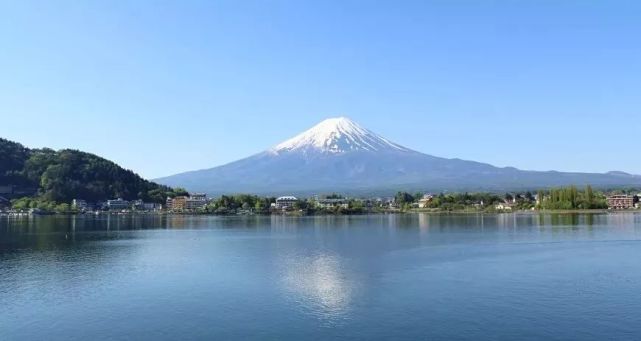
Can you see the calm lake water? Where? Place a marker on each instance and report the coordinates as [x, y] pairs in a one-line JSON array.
[[506, 277]]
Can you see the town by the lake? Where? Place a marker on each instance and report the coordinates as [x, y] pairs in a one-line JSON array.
[[12, 202]]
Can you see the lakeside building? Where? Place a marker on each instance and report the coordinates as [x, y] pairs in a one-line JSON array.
[[182, 203], [286, 202], [332, 203], [140, 205], [393, 205], [169, 204], [620, 202], [507, 204], [178, 203], [118, 204], [479, 204], [383, 202], [198, 196], [196, 201], [79, 204], [137, 205], [504, 206], [423, 202]]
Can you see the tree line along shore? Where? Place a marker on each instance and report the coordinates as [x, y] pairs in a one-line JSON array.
[[179, 201]]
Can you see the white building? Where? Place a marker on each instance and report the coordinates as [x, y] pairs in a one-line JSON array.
[[423, 202], [145, 206], [332, 203], [196, 201], [118, 204], [503, 206], [286, 202], [198, 196], [194, 204], [79, 204]]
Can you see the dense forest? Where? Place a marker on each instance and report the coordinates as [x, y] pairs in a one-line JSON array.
[[64, 175]]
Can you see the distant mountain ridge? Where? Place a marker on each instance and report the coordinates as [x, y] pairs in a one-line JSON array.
[[340, 155]]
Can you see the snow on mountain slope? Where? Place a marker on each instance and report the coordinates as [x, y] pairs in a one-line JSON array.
[[339, 155], [337, 135]]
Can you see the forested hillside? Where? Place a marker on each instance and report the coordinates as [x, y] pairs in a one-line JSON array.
[[66, 174]]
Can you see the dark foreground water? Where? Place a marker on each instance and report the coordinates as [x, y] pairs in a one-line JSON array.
[[504, 277]]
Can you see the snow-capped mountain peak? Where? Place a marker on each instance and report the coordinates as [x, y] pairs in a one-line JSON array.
[[338, 155], [337, 135]]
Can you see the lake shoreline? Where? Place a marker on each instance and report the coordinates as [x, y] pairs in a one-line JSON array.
[[296, 214]]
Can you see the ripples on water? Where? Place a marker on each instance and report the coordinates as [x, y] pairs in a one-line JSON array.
[[506, 276]]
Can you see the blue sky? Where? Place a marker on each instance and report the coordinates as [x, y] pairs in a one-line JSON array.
[[167, 86]]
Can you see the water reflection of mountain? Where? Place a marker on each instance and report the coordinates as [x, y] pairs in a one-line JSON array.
[[303, 274]]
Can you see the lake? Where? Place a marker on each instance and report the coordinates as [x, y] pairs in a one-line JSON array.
[[402, 277]]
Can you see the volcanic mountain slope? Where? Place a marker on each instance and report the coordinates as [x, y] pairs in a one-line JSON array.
[[340, 155]]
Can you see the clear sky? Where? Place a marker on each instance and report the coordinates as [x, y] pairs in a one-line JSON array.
[[167, 86]]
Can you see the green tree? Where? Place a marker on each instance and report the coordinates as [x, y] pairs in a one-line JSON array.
[[403, 198], [589, 196]]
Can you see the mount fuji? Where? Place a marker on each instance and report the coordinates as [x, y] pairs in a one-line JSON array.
[[340, 155]]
